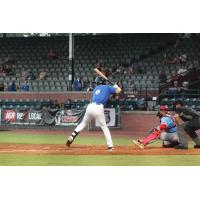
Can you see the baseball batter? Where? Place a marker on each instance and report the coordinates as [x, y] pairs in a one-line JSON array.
[[95, 110], [166, 131]]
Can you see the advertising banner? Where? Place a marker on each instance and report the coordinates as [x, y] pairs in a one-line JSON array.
[[8, 116], [54, 117], [69, 117]]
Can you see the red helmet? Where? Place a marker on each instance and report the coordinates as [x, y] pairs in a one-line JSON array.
[[164, 107]]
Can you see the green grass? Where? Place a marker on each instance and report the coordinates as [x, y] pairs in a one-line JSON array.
[[83, 160], [9, 137], [114, 160]]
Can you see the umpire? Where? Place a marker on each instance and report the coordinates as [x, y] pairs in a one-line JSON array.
[[188, 123]]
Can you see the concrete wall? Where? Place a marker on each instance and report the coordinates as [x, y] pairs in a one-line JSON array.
[[60, 96], [138, 121]]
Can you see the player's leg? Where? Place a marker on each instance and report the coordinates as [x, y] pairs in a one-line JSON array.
[[86, 119], [99, 116], [190, 129], [169, 139], [183, 143], [147, 140]]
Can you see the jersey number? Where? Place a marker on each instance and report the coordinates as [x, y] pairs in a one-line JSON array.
[[98, 91]]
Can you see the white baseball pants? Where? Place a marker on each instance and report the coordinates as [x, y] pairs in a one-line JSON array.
[[96, 111]]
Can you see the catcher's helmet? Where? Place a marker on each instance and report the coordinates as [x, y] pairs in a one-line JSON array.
[[164, 107]]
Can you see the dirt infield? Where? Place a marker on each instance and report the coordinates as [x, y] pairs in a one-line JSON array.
[[90, 150]]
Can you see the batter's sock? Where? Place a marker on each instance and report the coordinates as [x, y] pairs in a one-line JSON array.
[[72, 137]]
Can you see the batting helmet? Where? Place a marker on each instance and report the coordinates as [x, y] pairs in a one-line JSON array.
[[99, 80]]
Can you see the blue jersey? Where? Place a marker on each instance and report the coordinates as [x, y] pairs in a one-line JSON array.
[[101, 93], [171, 126]]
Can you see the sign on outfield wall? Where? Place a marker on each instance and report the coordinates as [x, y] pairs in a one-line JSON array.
[[53, 117], [21, 116], [69, 117], [41, 117]]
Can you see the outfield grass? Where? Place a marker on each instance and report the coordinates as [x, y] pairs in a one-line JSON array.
[[9, 137], [83, 160], [114, 160]]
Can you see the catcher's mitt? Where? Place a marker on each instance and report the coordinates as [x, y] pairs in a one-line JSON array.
[[178, 119]]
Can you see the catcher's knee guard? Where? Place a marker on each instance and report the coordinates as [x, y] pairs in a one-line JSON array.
[[167, 144]]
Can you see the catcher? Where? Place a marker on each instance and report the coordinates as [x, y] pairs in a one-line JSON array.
[[188, 121], [166, 131]]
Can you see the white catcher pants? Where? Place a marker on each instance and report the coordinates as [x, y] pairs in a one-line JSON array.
[[96, 111]]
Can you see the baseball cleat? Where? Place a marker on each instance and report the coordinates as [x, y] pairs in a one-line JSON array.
[[111, 148], [197, 146], [139, 144], [69, 141]]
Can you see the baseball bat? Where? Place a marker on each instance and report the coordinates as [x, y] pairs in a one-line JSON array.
[[102, 75]]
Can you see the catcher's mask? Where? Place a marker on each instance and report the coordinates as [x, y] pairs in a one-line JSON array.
[[159, 114], [162, 108]]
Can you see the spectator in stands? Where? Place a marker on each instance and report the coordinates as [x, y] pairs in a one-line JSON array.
[[131, 70], [184, 87], [7, 70], [31, 76], [25, 73], [82, 83], [42, 75], [90, 87], [2, 71], [174, 77], [12, 87], [175, 89], [2, 86], [162, 76], [77, 84], [5, 86], [24, 87], [51, 54], [182, 71], [132, 87], [119, 69], [178, 59], [68, 104]]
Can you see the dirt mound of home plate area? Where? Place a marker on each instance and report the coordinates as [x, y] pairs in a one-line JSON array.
[[90, 150]]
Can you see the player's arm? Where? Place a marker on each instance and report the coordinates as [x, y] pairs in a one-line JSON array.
[[162, 127], [117, 89]]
